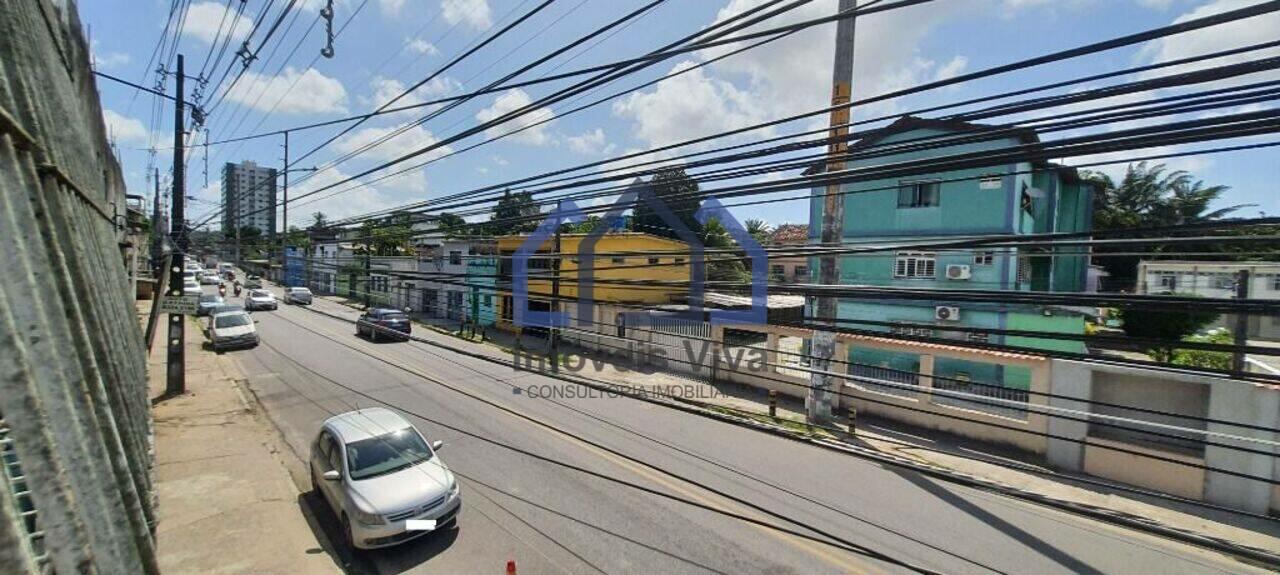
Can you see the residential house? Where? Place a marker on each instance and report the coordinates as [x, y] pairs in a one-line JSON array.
[[1216, 279], [620, 257], [1010, 199], [789, 268]]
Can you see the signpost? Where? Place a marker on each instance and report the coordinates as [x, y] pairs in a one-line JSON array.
[[181, 305]]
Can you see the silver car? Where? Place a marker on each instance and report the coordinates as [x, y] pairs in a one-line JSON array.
[[378, 474], [232, 329], [259, 299], [297, 295]]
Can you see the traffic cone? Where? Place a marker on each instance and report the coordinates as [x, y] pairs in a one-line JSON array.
[[511, 567]]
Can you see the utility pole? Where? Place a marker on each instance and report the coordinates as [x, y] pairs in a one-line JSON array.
[[1241, 324], [284, 206], [368, 272], [175, 380], [818, 402], [555, 296], [157, 235]]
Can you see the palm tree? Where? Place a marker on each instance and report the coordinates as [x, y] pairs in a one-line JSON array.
[[759, 229]]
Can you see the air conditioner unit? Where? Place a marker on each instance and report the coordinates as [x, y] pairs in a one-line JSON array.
[[946, 313], [958, 272]]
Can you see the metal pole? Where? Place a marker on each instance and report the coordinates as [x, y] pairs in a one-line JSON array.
[[175, 380], [1242, 323], [555, 295], [818, 402], [157, 240]]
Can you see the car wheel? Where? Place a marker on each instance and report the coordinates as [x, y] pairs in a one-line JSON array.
[[373, 334], [347, 538], [315, 485]]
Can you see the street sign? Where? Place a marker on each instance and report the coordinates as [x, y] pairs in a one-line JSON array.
[[184, 304]]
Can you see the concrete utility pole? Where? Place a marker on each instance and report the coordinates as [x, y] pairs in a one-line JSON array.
[[284, 207], [157, 235], [818, 402], [555, 296], [175, 381], [1241, 327]]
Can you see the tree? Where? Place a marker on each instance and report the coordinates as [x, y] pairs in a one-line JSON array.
[[1148, 196], [759, 229], [1169, 326], [674, 188], [722, 266], [318, 221], [453, 225], [514, 214], [390, 237]]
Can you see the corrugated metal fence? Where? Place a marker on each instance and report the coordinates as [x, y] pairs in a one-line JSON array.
[[75, 429]]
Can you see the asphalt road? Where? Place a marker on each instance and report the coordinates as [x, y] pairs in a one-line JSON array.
[[551, 519]]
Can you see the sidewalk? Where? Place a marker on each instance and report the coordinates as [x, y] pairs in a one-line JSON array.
[[931, 449], [226, 501]]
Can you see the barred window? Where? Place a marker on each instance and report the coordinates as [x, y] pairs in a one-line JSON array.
[[915, 265]]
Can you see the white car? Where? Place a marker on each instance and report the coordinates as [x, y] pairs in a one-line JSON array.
[[191, 287], [297, 295], [230, 329], [210, 279], [260, 299], [378, 473]]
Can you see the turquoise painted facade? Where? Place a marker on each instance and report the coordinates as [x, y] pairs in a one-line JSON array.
[[482, 294], [1015, 199]]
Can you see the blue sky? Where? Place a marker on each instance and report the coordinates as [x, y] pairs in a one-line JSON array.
[[393, 43]]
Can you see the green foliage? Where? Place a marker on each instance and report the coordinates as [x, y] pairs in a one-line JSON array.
[[1149, 196], [514, 214], [759, 229], [318, 221], [720, 267], [453, 225], [1170, 326], [679, 192], [1206, 359], [390, 237]]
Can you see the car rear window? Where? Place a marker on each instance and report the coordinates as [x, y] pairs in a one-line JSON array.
[[232, 320], [259, 293], [393, 315]]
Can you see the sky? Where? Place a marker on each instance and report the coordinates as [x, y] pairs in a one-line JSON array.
[[391, 44]]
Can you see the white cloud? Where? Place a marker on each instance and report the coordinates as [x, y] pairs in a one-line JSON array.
[[352, 201], [385, 89], [510, 101], [592, 142], [1258, 29], [1155, 4], [123, 128], [314, 93], [390, 7], [951, 69], [106, 60], [475, 13], [423, 47], [411, 140], [786, 77], [204, 18]]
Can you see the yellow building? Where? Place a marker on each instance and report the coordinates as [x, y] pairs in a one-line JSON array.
[[620, 257]]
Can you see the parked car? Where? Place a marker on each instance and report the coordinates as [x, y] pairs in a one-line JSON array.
[[377, 471], [232, 329], [208, 303], [260, 299], [253, 282], [191, 287], [380, 323], [297, 295]]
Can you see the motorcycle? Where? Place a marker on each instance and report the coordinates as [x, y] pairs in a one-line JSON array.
[[222, 290], [238, 288]]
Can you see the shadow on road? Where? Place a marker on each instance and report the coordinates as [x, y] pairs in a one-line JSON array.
[[326, 527], [1041, 546]]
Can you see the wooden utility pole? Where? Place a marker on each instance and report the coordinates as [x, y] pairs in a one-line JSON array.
[[818, 402], [175, 379]]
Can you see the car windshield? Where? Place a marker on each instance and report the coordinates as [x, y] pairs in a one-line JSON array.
[[259, 293], [210, 298], [231, 320], [386, 453], [300, 291]]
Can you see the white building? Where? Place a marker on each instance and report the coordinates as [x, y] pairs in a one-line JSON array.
[[249, 197], [1216, 280]]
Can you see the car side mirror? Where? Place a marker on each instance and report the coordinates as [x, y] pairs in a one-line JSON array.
[[257, 321], [408, 310], [436, 445], [332, 475]]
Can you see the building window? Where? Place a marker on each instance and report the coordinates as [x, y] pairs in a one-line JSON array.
[[984, 258], [455, 258], [1168, 281], [802, 271], [917, 265], [653, 261], [777, 271], [910, 331], [991, 182], [681, 260], [618, 260], [978, 337], [918, 194], [1275, 282], [488, 300]]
